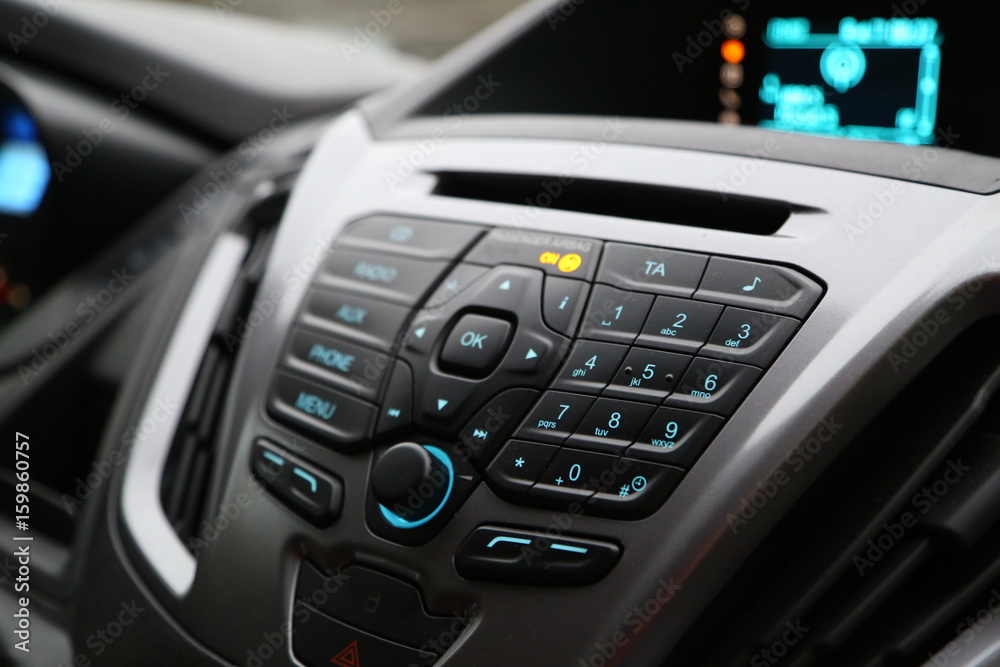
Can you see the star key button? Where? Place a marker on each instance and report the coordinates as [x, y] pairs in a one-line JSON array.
[[516, 468]]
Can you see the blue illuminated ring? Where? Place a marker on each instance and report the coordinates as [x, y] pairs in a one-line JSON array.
[[397, 522]]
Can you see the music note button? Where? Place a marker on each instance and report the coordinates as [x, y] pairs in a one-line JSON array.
[[757, 286]]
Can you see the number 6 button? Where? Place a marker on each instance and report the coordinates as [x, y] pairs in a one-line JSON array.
[[714, 386]]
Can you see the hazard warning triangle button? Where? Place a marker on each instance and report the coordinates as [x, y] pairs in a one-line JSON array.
[[349, 657], [323, 641]]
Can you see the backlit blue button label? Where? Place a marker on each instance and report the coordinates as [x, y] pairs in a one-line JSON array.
[[401, 234], [331, 358], [473, 340], [314, 405], [351, 314], [376, 273]]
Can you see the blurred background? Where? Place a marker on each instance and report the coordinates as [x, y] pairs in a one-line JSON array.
[[425, 28]]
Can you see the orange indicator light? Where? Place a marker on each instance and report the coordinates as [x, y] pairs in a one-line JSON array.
[[570, 263], [549, 258], [733, 51]]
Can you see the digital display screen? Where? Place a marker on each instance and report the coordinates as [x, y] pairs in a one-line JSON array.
[[24, 166], [875, 79], [911, 72]]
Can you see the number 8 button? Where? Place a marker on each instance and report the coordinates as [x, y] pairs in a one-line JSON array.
[[611, 425]]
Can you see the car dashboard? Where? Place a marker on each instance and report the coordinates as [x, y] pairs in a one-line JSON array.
[[628, 334]]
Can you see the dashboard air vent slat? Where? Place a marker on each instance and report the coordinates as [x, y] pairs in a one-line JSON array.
[[186, 480]]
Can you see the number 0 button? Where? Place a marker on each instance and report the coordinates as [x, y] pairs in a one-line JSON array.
[[714, 386]]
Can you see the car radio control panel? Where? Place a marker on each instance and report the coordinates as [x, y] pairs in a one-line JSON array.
[[562, 372]]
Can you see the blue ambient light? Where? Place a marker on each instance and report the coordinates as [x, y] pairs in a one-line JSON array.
[[24, 166]]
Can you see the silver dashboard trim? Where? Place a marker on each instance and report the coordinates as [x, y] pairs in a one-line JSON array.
[[141, 508]]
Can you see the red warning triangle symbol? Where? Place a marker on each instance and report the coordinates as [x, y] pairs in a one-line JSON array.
[[349, 657]]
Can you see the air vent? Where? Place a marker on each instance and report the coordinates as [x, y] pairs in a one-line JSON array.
[[679, 206], [187, 474], [896, 544]]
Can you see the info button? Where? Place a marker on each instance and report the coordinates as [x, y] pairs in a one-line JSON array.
[[475, 345]]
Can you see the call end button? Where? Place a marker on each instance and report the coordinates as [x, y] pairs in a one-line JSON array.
[[524, 557], [475, 345]]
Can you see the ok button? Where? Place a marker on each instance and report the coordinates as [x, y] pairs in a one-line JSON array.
[[475, 346]]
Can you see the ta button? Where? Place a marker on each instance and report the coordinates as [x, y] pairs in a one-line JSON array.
[[475, 345]]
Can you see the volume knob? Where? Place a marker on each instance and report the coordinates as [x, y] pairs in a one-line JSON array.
[[412, 483]]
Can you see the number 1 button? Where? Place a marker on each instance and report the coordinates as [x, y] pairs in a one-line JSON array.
[[615, 315]]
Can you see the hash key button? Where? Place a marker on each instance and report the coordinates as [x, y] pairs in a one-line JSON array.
[[476, 344]]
